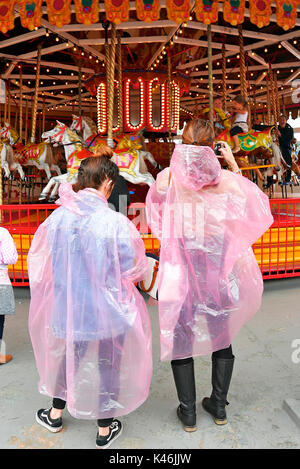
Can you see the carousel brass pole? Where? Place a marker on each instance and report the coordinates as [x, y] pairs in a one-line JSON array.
[[224, 90], [254, 105], [283, 106], [9, 103], [111, 83], [268, 101], [120, 84], [243, 77], [79, 87], [276, 96], [242, 63], [210, 76], [107, 63], [36, 94], [5, 104], [26, 121], [21, 105], [170, 103], [274, 103], [16, 116], [44, 115]]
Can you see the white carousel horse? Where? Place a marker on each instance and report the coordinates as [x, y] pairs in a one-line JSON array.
[[88, 128], [9, 162], [128, 163], [73, 146], [34, 154]]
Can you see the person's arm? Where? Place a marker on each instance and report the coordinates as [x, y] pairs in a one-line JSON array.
[[229, 158], [8, 251], [291, 134]]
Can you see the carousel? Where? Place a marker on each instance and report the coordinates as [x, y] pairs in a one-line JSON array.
[[77, 75]]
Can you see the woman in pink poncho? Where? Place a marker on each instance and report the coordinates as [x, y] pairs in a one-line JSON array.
[[209, 283], [88, 324]]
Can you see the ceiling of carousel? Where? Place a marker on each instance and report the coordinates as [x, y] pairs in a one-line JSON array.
[[144, 47]]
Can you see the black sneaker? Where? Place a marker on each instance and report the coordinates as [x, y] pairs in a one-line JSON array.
[[115, 430], [43, 418]]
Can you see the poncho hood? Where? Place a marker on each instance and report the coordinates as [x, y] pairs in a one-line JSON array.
[[83, 203], [195, 166]]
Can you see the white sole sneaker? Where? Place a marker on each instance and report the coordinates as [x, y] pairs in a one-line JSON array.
[[111, 442], [44, 424]]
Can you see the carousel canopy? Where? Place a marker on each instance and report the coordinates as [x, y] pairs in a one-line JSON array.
[[72, 37]]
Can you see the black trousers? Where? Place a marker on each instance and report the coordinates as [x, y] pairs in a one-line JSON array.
[[287, 155], [60, 404], [2, 318], [184, 333], [80, 349]]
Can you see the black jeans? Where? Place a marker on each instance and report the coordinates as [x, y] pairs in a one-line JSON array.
[[287, 155], [107, 351], [2, 318], [60, 404]]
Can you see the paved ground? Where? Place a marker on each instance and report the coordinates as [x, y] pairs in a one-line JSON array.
[[264, 377]]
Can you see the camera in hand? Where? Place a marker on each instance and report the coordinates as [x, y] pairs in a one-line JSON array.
[[217, 149]]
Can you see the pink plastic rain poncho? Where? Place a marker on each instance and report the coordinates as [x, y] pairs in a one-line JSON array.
[[209, 283], [88, 324]]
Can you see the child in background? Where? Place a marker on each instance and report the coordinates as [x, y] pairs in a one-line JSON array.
[[8, 255], [240, 117]]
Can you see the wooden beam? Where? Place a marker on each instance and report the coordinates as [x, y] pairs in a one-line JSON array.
[[124, 40], [71, 39], [197, 42], [252, 68], [48, 64], [170, 35], [22, 38], [258, 58], [47, 50], [46, 77], [230, 31], [291, 49], [127, 25], [257, 45]]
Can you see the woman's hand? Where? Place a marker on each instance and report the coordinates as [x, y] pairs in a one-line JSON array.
[[227, 154]]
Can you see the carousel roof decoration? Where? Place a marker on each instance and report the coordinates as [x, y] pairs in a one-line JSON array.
[[72, 38], [87, 11]]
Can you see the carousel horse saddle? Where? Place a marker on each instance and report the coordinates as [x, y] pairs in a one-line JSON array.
[[249, 141]]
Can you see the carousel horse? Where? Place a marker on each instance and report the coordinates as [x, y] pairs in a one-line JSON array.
[[255, 144], [33, 154], [220, 118], [122, 143], [9, 162], [75, 152]]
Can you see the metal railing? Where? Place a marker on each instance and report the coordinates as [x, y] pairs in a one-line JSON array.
[[277, 251]]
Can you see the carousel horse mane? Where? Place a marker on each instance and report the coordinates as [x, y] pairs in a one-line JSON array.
[[13, 133], [91, 124], [73, 136]]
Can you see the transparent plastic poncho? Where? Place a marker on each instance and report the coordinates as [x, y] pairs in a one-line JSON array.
[[209, 283], [88, 324]]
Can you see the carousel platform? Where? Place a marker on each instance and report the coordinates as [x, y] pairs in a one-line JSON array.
[[265, 376]]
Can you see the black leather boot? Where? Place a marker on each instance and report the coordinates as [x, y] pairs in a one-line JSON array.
[[221, 377], [185, 385]]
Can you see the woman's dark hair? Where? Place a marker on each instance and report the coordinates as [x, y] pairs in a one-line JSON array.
[[94, 170], [241, 100], [198, 132]]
